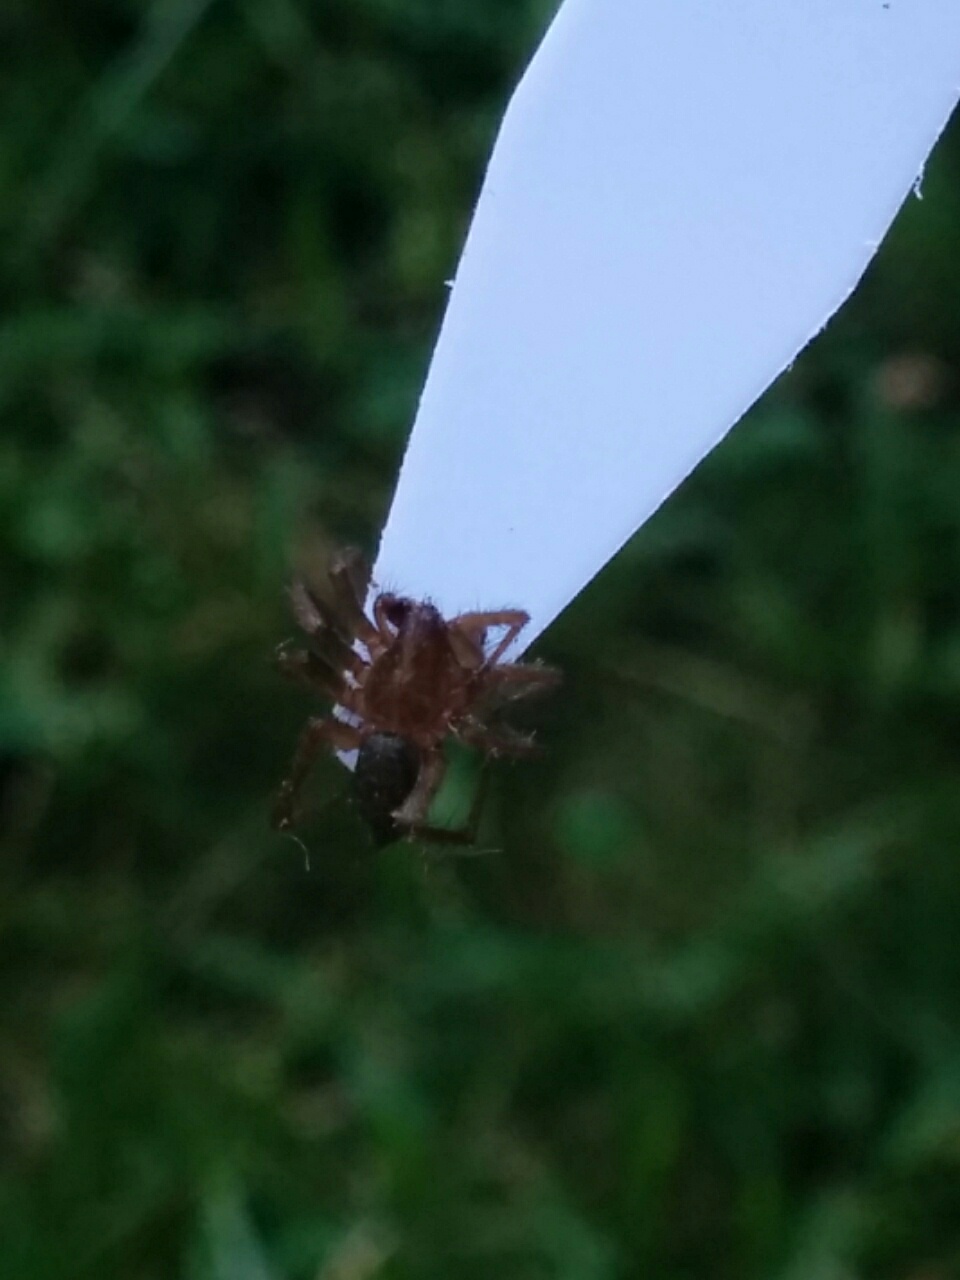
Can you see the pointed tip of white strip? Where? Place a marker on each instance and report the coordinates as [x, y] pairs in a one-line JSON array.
[[678, 201]]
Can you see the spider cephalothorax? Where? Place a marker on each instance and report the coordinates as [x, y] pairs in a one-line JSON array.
[[409, 680]]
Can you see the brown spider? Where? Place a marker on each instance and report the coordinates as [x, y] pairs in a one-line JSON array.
[[409, 680]]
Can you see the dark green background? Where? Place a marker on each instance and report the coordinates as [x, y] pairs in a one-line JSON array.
[[700, 1017]]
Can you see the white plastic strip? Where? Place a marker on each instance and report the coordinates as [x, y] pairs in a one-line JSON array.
[[683, 192]]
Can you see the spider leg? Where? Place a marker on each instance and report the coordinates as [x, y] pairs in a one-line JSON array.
[[413, 812], [313, 614], [503, 740], [476, 625], [427, 833], [382, 606], [311, 670], [350, 578], [329, 634], [511, 681], [319, 733], [467, 645], [465, 836]]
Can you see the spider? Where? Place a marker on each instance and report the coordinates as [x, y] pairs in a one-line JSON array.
[[409, 680]]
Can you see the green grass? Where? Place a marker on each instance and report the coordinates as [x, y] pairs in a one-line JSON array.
[[700, 1017]]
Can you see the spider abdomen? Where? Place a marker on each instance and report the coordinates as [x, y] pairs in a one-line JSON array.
[[386, 772]]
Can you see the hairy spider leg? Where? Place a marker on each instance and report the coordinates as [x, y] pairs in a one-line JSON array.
[[409, 818], [317, 620], [384, 602], [465, 836], [305, 668], [476, 625], [514, 620], [467, 647], [413, 812], [319, 613], [319, 733], [349, 578], [310, 669], [313, 614], [503, 740], [505, 684], [511, 681]]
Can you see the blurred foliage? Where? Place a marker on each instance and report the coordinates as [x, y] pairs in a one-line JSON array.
[[700, 1013]]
